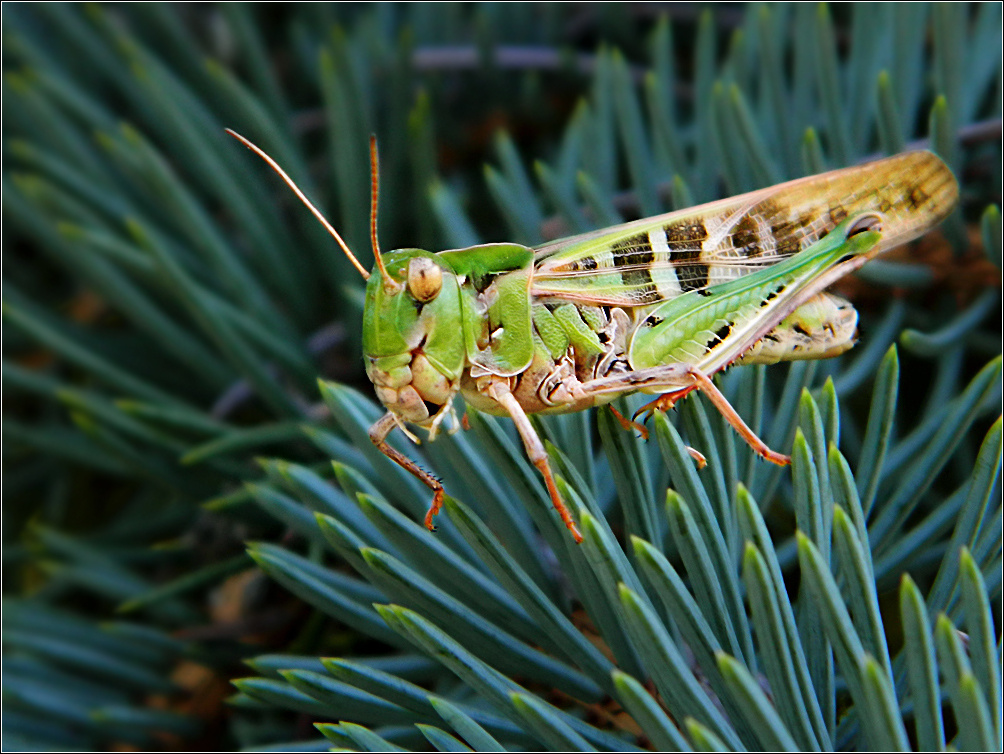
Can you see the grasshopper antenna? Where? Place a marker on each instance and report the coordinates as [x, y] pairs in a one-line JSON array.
[[296, 190], [389, 284]]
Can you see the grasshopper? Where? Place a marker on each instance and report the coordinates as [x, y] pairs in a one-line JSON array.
[[657, 305]]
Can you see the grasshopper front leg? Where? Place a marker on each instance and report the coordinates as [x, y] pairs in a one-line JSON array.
[[378, 434], [534, 450]]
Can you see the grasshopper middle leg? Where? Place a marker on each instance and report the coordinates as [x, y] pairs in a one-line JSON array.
[[499, 391], [538, 456]]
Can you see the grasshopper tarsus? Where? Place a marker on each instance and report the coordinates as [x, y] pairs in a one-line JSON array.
[[776, 458], [437, 505], [698, 457]]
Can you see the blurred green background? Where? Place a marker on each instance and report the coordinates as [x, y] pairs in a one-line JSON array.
[[185, 504]]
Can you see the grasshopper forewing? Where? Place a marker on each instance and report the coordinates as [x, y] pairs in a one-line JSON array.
[[657, 305]]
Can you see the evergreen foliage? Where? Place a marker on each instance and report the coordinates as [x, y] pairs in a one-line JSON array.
[[182, 374]]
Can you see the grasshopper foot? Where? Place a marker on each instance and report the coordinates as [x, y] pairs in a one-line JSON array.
[[437, 505], [698, 457], [774, 457]]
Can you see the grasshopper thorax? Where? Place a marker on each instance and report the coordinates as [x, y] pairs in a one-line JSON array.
[[413, 346]]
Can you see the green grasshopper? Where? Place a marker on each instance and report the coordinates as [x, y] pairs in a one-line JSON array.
[[656, 305]]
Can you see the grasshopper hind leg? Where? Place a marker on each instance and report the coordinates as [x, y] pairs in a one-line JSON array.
[[678, 380], [706, 386]]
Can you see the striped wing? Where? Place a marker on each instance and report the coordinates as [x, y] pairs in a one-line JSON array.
[[658, 258]]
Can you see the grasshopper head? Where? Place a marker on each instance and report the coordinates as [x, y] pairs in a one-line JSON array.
[[413, 341], [412, 336]]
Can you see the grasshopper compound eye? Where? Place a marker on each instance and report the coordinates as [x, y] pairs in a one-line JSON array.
[[425, 279]]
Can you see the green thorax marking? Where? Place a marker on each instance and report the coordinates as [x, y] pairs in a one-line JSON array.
[[495, 302]]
